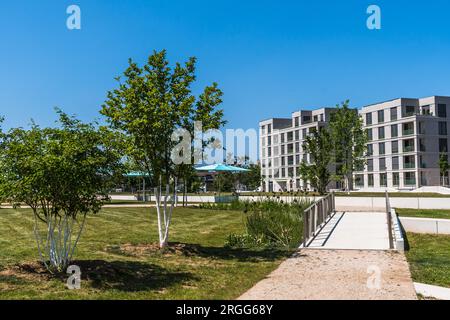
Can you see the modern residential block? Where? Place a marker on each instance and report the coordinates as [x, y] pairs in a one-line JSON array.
[[407, 137]]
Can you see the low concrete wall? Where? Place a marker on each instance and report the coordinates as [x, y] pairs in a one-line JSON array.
[[424, 225], [379, 203]]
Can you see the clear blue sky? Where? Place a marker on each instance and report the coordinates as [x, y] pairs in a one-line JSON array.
[[269, 57]]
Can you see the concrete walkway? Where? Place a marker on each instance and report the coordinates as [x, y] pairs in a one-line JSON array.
[[337, 275], [354, 230]]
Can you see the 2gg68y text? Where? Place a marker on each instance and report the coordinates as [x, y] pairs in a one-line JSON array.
[[226, 310]]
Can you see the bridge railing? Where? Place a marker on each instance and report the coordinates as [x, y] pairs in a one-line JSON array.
[[389, 221], [315, 217]]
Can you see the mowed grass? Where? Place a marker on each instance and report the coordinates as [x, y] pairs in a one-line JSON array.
[[432, 213], [429, 258], [202, 268]]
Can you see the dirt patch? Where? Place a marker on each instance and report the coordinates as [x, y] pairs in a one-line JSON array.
[[136, 250]]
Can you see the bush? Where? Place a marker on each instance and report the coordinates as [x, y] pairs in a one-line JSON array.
[[268, 223]]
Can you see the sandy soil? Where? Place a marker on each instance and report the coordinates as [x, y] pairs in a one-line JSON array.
[[338, 275]]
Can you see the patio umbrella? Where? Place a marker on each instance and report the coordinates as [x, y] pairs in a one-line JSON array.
[[220, 167]]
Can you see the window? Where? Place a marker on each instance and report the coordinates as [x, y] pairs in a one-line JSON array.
[[395, 163], [395, 179], [442, 128], [370, 180], [263, 129], [316, 118], [297, 147], [306, 119], [394, 147], [382, 164], [442, 111], [369, 150], [283, 161], [393, 114], [409, 162], [408, 145], [282, 138], [394, 131], [297, 135], [370, 134], [381, 116], [304, 134], [368, 119], [383, 180], [290, 148], [408, 128], [263, 142], [290, 160], [381, 133], [269, 140], [290, 136], [410, 178], [370, 165], [297, 159], [381, 148], [359, 180], [422, 146], [269, 151], [296, 122], [409, 111], [443, 145], [421, 127], [269, 129]]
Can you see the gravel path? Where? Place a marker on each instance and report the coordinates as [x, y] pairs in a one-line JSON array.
[[320, 274]]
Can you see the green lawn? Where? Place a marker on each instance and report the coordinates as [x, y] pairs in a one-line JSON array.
[[432, 213], [196, 267], [429, 259]]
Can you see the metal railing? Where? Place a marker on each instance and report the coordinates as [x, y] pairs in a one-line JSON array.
[[315, 217], [389, 221]]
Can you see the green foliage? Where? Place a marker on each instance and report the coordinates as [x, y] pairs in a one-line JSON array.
[[268, 223], [319, 145], [60, 173], [349, 141], [443, 166], [59, 170], [153, 102]]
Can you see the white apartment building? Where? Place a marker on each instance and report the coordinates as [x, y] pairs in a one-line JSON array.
[[406, 137], [281, 148]]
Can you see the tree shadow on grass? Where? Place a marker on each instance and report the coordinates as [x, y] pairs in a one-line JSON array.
[[226, 253], [127, 276]]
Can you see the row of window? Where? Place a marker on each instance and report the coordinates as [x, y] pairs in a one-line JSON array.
[[407, 111], [409, 179], [308, 119], [287, 137]]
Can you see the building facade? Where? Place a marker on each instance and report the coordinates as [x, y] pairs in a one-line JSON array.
[[406, 139], [281, 148]]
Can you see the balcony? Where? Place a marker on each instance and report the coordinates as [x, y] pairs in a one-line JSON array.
[[408, 148], [408, 132], [409, 166], [410, 182]]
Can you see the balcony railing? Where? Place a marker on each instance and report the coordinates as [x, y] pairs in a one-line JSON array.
[[408, 132], [408, 148], [409, 165], [410, 182]]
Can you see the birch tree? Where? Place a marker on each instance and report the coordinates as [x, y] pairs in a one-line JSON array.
[[62, 174], [148, 106]]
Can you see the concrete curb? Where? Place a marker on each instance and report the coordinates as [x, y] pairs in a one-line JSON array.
[[429, 291]]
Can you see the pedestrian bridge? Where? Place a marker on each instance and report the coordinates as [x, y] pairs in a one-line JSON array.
[[327, 228]]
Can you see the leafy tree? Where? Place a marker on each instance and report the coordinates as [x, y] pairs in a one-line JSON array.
[[251, 179], [318, 145], [349, 142], [443, 166], [62, 174], [149, 106]]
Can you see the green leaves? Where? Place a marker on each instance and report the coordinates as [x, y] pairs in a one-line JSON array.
[[59, 171], [152, 102]]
